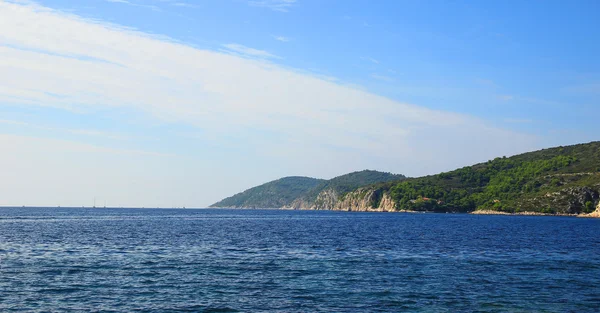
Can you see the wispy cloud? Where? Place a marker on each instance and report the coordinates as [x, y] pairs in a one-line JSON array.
[[182, 4], [275, 5], [85, 132], [127, 2], [281, 38], [266, 116], [249, 52], [370, 60]]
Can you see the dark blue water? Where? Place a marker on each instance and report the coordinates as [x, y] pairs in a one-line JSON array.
[[123, 260]]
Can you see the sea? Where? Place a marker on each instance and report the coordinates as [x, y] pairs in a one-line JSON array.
[[218, 260]]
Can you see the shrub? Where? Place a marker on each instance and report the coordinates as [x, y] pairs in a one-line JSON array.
[[589, 207]]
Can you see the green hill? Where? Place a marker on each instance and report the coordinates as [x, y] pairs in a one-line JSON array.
[[274, 194], [327, 193], [349, 182], [303, 192], [562, 180]]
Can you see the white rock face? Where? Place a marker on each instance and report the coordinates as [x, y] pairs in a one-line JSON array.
[[326, 200], [361, 200], [597, 212]]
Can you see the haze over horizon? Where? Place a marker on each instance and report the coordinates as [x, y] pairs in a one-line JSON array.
[[173, 103]]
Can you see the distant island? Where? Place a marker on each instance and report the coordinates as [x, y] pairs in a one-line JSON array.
[[555, 181]]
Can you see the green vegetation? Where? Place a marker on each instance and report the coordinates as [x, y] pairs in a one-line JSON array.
[[283, 192], [589, 207], [350, 182], [275, 194], [559, 180], [563, 180]]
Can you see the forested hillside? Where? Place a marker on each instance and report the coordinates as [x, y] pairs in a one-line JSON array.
[[303, 192], [324, 196], [274, 194], [563, 180]]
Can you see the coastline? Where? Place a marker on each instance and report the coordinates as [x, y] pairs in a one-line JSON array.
[[595, 214]]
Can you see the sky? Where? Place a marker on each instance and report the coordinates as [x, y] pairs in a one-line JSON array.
[[180, 103]]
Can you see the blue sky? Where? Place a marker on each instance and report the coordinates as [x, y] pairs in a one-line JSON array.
[[247, 91], [530, 63]]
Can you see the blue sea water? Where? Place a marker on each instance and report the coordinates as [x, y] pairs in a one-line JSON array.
[[143, 260]]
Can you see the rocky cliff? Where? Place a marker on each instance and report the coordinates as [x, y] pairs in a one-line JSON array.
[[360, 200], [329, 194], [304, 192], [325, 200], [570, 200], [366, 200]]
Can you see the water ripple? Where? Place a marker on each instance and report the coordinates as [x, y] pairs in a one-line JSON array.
[[138, 260]]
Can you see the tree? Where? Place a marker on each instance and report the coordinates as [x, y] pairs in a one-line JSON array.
[[589, 207]]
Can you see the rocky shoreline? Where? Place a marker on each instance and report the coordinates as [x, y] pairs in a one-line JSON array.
[[595, 214], [492, 212]]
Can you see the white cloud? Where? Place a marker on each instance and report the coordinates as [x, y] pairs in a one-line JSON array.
[[151, 7], [281, 38], [86, 132], [275, 5], [249, 52], [181, 4], [370, 60], [256, 120]]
